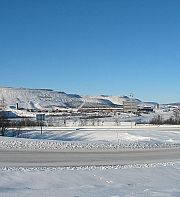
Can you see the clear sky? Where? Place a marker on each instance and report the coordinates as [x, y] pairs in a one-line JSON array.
[[112, 47]]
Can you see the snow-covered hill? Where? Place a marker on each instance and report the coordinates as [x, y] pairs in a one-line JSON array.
[[49, 99], [37, 98], [107, 100]]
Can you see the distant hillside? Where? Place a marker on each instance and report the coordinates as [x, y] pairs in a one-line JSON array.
[[174, 104], [49, 99]]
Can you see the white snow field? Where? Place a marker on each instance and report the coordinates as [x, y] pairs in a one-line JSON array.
[[155, 180], [93, 138], [136, 180]]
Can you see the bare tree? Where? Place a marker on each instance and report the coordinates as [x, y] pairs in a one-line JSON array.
[[18, 126], [93, 121], [177, 116], [117, 121], [4, 123], [157, 120], [98, 122]]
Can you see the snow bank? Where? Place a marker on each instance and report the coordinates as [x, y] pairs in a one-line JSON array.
[[102, 167], [29, 144]]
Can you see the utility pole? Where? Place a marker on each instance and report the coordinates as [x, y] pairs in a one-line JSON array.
[[131, 97]]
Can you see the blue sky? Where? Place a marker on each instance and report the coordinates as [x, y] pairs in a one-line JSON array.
[[112, 47]]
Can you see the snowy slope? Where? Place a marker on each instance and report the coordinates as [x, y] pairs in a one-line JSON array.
[[49, 99], [37, 98], [45, 98], [109, 100]]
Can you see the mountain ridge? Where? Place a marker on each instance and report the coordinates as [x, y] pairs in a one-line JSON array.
[[29, 98]]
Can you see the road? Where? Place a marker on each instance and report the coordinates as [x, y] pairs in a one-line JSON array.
[[37, 158]]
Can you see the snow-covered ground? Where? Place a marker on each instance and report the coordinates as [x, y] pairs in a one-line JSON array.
[[125, 181], [139, 180], [112, 138]]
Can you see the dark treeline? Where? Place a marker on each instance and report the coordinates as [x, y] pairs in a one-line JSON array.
[[170, 121], [5, 123]]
